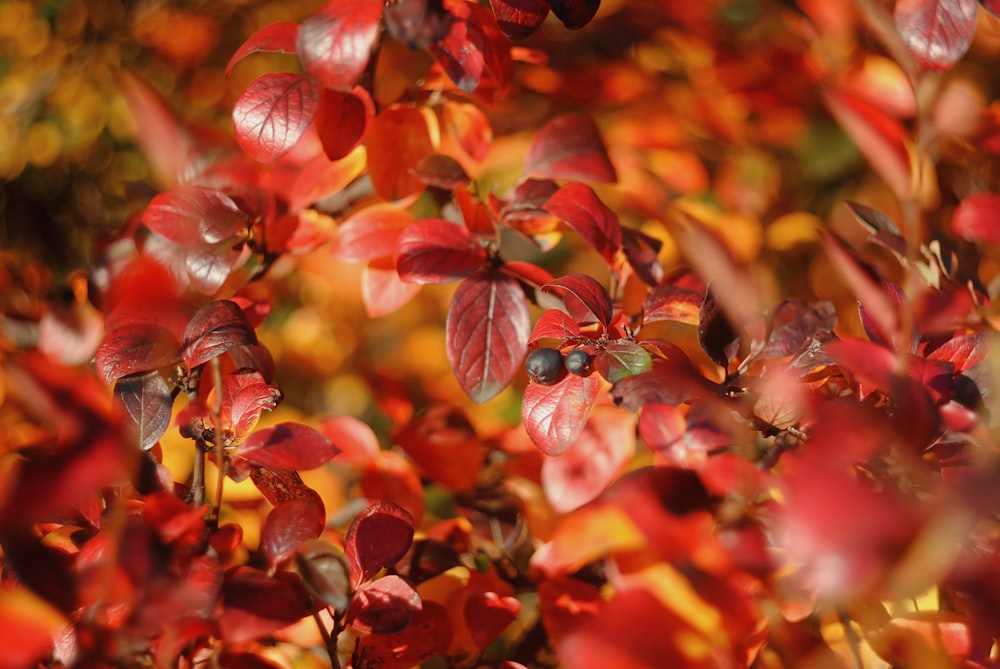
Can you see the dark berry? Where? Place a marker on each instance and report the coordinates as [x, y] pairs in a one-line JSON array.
[[545, 366], [579, 362]]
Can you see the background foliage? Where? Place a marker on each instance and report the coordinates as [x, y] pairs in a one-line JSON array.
[[771, 225]]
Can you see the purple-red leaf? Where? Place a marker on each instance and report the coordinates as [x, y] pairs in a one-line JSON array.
[[275, 37], [977, 218], [193, 214], [378, 537], [475, 54], [146, 403], [135, 347], [519, 18], [574, 14], [273, 113], [554, 416], [578, 206], [335, 43], [570, 147], [487, 333], [672, 380], [323, 569], [586, 300], [214, 329], [288, 446], [255, 604], [794, 324], [289, 525], [716, 334], [938, 32], [383, 606], [642, 252], [435, 250]]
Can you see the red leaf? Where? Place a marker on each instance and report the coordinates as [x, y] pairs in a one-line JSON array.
[[289, 525], [382, 291], [586, 300], [398, 141], [578, 206], [435, 250], [469, 126], [487, 332], [193, 214], [383, 606], [245, 394], [881, 138], [476, 215], [592, 462], [275, 37], [487, 615], [213, 330], [441, 171], [272, 114], [519, 18], [642, 252], [356, 440], [964, 351], [445, 446], [938, 32], [288, 446], [882, 308], [370, 233], [555, 416], [391, 477], [378, 537], [475, 54], [661, 425], [28, 626], [977, 218], [554, 324], [992, 6], [428, 634], [343, 120], [146, 402], [794, 324], [570, 147], [255, 604], [133, 348], [574, 14], [165, 143], [336, 42]]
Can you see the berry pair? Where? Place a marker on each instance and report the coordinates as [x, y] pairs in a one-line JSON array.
[[547, 366]]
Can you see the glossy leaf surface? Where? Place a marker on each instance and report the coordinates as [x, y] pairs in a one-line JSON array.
[[288, 446], [938, 32], [378, 537], [555, 416], [273, 113], [335, 43]]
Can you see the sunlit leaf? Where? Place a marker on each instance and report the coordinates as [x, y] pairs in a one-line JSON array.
[[555, 416], [194, 214], [399, 139], [335, 44], [554, 324], [382, 291], [370, 233], [938, 32], [487, 333], [272, 114]]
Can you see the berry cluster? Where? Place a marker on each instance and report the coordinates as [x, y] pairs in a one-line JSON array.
[[547, 366]]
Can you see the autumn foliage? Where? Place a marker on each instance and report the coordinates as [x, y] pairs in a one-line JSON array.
[[515, 334]]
